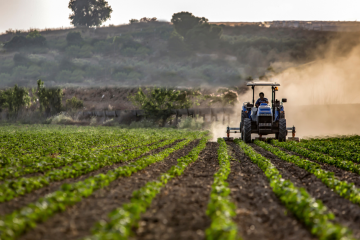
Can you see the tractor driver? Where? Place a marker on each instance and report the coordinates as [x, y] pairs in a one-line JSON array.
[[261, 100]]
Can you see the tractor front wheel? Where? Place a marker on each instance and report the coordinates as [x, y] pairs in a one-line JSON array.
[[246, 131], [281, 136]]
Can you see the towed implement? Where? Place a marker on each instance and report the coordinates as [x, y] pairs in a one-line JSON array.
[[263, 119]]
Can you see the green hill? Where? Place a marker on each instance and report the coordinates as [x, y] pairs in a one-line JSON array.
[[153, 54]]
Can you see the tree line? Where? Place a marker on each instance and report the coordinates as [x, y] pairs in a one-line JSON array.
[[48, 100]]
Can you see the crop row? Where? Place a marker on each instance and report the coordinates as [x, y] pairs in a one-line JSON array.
[[351, 138], [310, 211], [123, 219], [87, 163], [14, 224], [342, 188], [45, 163], [220, 208], [41, 147], [313, 155], [346, 150], [39, 144]]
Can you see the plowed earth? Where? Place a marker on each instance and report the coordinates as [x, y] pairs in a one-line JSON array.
[[179, 210], [346, 213], [21, 201], [77, 221]]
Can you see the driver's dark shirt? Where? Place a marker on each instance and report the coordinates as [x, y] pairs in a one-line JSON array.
[[264, 100]]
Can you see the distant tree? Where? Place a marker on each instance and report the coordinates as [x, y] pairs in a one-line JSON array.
[[145, 19], [14, 98], [133, 21], [177, 45], [2, 99], [197, 32], [204, 35], [33, 39], [89, 12], [49, 99], [184, 21], [158, 103]]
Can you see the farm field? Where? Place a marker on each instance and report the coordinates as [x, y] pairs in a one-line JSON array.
[[70, 182]]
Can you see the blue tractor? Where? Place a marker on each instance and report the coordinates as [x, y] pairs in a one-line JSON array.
[[263, 119]]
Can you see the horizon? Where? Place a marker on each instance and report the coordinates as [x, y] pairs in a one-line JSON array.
[[41, 14]]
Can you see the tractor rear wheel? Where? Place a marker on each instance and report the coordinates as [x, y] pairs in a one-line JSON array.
[[282, 130], [246, 132], [243, 117]]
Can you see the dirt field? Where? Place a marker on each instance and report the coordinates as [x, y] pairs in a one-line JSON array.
[[180, 208]]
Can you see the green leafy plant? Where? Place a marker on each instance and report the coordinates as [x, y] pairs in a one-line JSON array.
[[311, 212], [335, 161], [342, 188], [126, 217], [220, 208], [70, 194]]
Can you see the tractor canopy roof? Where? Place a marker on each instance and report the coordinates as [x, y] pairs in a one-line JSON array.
[[263, 84]]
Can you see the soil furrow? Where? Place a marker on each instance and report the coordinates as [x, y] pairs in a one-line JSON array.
[[260, 214], [76, 221], [179, 211], [341, 174], [346, 213], [21, 201]]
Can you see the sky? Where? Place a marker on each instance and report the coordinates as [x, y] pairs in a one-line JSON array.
[[41, 14]]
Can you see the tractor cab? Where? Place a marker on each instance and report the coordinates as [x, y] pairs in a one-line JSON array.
[[265, 118]]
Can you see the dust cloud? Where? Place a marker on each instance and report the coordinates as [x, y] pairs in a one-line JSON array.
[[323, 96]]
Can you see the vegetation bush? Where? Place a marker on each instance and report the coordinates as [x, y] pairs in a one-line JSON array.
[[33, 39], [64, 76], [74, 103], [79, 52], [19, 72], [6, 65], [33, 71], [59, 44], [142, 51], [74, 38], [120, 76], [61, 118], [14, 99], [158, 103], [50, 99], [177, 45], [144, 123], [20, 59], [129, 52], [196, 123], [103, 47], [5, 78]]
